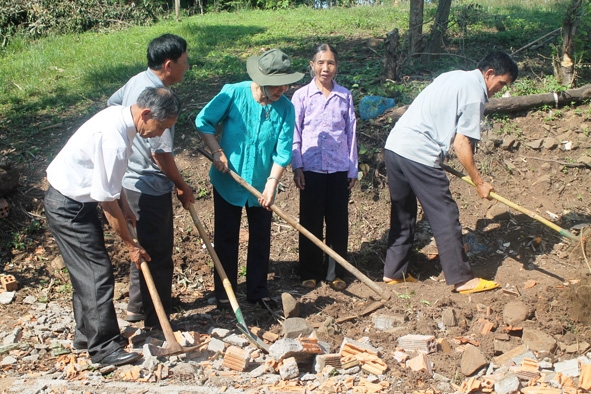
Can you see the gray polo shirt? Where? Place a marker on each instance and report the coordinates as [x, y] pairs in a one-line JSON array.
[[452, 103], [143, 174]]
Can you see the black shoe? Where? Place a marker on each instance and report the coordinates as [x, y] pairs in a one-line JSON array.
[[120, 357], [224, 305]]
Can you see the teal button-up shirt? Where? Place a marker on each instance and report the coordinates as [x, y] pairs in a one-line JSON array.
[[253, 138]]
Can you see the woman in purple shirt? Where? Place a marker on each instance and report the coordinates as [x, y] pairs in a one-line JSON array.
[[324, 162]]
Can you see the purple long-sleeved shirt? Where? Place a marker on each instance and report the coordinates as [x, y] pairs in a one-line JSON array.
[[324, 137]]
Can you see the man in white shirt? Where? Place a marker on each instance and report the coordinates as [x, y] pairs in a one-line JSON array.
[[446, 112], [88, 171], [150, 177]]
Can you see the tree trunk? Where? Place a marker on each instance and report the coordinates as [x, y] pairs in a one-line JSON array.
[[439, 28], [391, 66], [564, 67], [519, 103], [415, 26], [177, 9]]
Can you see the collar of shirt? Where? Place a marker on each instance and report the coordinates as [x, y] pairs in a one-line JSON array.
[[478, 75], [130, 128], [337, 90]]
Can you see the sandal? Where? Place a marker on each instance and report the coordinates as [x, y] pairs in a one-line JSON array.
[[309, 283], [338, 284], [133, 317], [405, 279], [483, 285], [224, 305]]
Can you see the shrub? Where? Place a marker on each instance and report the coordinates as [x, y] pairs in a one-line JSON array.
[[36, 18]]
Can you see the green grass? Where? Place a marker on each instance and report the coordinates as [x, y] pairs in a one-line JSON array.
[[62, 80], [60, 71]]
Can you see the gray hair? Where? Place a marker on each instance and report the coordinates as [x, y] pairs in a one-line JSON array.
[[163, 103]]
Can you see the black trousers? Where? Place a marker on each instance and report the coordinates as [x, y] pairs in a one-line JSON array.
[[226, 242], [324, 199], [409, 181], [155, 233], [79, 235]]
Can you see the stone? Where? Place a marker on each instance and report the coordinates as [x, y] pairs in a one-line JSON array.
[[58, 263], [508, 143], [291, 308], [569, 368], [183, 369], [515, 313], [383, 322], [501, 347], [538, 341], [259, 371], [535, 144], [295, 327], [218, 332], [289, 369], [509, 384], [329, 327], [30, 300], [472, 360], [449, 317], [585, 160], [215, 345], [550, 143], [7, 297], [236, 340], [579, 347], [8, 360], [284, 348]]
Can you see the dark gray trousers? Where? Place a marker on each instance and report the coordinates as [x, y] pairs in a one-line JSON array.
[[155, 234], [79, 236], [409, 181]]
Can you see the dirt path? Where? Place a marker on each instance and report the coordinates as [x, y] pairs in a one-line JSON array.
[[534, 160]]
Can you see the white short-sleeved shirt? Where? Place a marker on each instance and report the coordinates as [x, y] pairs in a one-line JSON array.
[[91, 165], [453, 103]]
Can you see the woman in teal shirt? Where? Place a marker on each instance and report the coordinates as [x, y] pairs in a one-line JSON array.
[[256, 141]]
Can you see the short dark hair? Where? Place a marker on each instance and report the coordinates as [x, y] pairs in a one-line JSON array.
[[163, 48], [501, 62], [163, 103]]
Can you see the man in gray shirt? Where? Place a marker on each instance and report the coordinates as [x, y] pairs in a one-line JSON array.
[[149, 179], [446, 112]]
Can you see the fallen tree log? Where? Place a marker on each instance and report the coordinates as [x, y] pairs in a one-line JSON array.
[[519, 103]]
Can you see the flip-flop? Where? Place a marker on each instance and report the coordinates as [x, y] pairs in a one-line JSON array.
[[407, 279], [309, 283], [483, 285], [338, 284]]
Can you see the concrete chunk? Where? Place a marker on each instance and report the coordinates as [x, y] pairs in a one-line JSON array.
[[295, 327], [289, 368], [284, 348]]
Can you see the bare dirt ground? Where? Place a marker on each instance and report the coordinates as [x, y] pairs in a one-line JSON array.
[[532, 262]]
